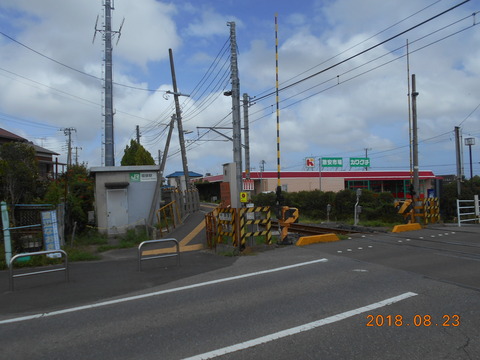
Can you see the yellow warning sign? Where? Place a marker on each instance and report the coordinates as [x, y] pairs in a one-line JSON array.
[[243, 197]]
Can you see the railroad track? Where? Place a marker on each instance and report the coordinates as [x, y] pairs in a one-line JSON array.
[[317, 230]]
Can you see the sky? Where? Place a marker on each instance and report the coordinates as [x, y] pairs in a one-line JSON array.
[[342, 68]]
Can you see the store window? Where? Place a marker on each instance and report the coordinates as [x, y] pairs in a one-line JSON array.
[[358, 184]]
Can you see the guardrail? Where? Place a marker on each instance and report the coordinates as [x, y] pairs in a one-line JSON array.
[[65, 264], [140, 258], [469, 210]]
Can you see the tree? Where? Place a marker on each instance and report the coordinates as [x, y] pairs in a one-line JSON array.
[[18, 172], [135, 154], [78, 186]]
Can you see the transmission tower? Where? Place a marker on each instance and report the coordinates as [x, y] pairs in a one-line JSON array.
[[108, 35]]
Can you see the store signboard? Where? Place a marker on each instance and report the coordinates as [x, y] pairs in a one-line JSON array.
[[359, 162], [332, 162]]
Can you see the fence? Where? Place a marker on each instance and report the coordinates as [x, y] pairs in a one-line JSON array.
[[226, 224], [238, 224], [171, 217], [425, 209], [468, 210], [259, 216]]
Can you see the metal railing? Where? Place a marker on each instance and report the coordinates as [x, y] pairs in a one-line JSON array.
[[172, 217], [140, 258], [64, 268], [468, 210]]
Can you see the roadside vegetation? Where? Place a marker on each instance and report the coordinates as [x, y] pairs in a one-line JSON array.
[[322, 207]]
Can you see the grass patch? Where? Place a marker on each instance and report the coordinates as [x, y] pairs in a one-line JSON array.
[[81, 254], [309, 220], [132, 238], [90, 237], [87, 246]]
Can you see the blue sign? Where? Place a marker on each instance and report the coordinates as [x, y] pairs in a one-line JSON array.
[[51, 240]]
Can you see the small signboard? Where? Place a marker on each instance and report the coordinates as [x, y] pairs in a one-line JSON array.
[[310, 162], [225, 216], [147, 176], [134, 177], [359, 162], [51, 240], [243, 197], [332, 162]]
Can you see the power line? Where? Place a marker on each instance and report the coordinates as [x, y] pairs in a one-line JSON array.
[[363, 51], [61, 92], [72, 68], [337, 77], [356, 45], [469, 115]]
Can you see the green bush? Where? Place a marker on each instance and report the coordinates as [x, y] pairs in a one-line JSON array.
[[312, 205]]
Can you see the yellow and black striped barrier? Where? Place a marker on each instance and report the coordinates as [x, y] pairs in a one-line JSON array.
[[247, 217], [431, 210], [226, 224]]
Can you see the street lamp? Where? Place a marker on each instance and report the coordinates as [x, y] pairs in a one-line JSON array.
[[469, 142]]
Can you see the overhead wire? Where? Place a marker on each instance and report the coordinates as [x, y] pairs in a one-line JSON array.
[[337, 77], [362, 52], [212, 71], [354, 46], [71, 67]]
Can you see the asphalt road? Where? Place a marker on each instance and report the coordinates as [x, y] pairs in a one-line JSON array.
[[412, 295]]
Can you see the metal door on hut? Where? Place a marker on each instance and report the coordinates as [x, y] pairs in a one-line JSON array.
[[117, 210]]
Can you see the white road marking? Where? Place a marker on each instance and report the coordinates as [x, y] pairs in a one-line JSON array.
[[301, 328], [161, 292]]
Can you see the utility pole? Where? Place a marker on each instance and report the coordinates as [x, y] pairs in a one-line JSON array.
[[107, 38], [178, 111], [68, 132], [237, 135], [366, 156], [262, 169], [76, 154], [458, 151], [469, 142], [138, 134], [246, 104], [416, 181], [161, 161], [279, 198]]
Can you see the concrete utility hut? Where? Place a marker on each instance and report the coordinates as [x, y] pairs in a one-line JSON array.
[[123, 196]]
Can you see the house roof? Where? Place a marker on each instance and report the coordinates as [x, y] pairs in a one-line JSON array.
[[4, 134], [191, 174], [39, 149]]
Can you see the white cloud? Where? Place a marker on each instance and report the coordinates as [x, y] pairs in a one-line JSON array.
[[321, 116]]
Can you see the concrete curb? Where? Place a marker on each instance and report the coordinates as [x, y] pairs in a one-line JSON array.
[[406, 227], [313, 239]]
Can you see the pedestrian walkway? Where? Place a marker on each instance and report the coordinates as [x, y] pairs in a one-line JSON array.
[[115, 275]]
